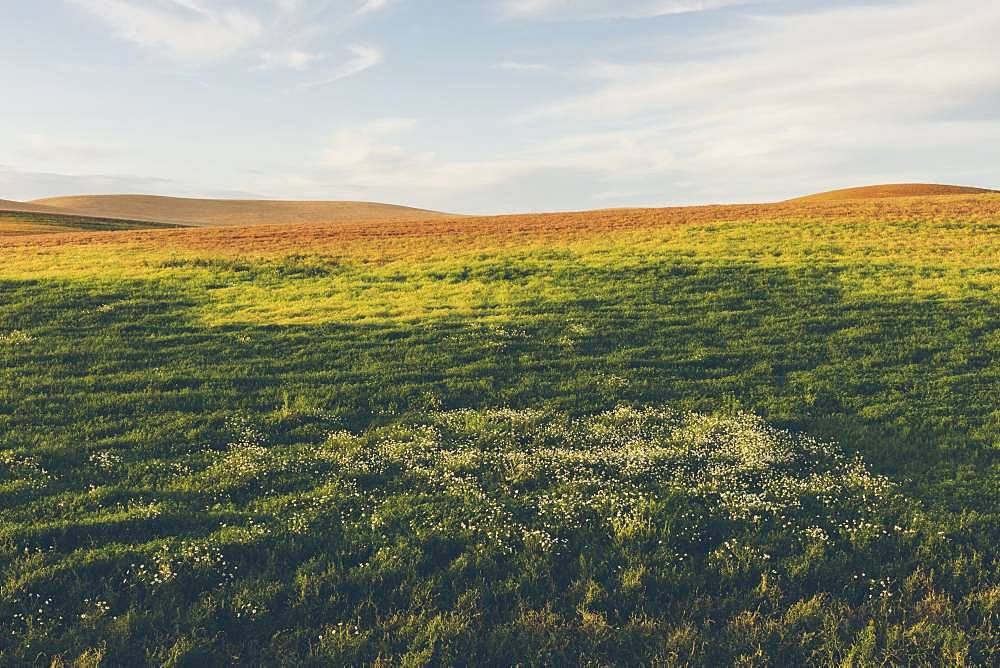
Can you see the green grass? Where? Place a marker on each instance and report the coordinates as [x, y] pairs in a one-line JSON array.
[[299, 459]]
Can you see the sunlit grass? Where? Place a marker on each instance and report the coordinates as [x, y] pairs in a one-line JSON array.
[[695, 436], [418, 275]]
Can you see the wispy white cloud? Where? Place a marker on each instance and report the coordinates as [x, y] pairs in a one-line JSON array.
[[604, 9], [369, 6], [364, 58], [186, 30], [288, 6], [909, 58], [292, 59], [369, 146], [277, 33], [516, 66], [382, 156]]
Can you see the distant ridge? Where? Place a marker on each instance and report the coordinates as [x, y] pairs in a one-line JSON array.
[[892, 190], [27, 207], [226, 212], [25, 218]]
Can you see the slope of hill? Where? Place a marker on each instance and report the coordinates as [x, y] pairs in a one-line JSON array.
[[18, 223], [223, 212], [893, 190], [554, 439], [24, 218], [7, 205]]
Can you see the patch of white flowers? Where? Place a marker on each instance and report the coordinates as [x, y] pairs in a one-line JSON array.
[[182, 558], [34, 610], [249, 461], [17, 337], [23, 471], [494, 337], [94, 609], [107, 461], [528, 478], [248, 610]]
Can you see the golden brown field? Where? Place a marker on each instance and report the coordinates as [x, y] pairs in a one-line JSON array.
[[16, 218], [27, 207], [442, 236], [225, 212], [893, 190]]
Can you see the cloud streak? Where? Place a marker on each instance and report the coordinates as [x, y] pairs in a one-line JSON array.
[[292, 59], [364, 58], [206, 31], [609, 9], [185, 30], [371, 6], [517, 66]]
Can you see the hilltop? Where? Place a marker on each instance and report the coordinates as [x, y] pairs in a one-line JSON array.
[[11, 206], [225, 212], [29, 218], [81, 211], [893, 190]]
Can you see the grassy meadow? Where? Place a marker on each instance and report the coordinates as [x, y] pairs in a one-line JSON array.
[[747, 435]]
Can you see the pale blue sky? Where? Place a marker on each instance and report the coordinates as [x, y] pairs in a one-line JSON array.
[[496, 105]]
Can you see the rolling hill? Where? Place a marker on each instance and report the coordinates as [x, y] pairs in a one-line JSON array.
[[892, 190], [7, 205], [29, 218], [99, 212], [21, 223], [224, 212], [722, 435]]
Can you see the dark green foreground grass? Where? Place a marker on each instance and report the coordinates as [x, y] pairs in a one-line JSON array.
[[123, 537]]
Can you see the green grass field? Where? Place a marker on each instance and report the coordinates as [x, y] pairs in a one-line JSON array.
[[746, 436]]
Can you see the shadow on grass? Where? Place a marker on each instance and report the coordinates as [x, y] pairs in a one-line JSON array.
[[910, 383]]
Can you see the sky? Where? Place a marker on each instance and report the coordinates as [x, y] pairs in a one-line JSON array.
[[491, 106]]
